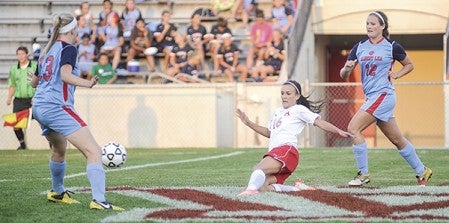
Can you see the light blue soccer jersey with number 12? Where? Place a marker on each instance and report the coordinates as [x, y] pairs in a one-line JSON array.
[[376, 60]]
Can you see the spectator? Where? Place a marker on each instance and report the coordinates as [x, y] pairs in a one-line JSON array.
[[107, 10], [261, 35], [215, 39], [103, 70], [103, 22], [192, 67], [140, 40], [130, 15], [273, 59], [84, 11], [86, 56], [197, 35], [178, 55], [164, 36], [244, 9], [282, 16], [113, 39], [228, 59], [83, 28]]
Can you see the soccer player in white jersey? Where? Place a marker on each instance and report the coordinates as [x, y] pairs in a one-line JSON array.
[[286, 123], [376, 55], [53, 108]]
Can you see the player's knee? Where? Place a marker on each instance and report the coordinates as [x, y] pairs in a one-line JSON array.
[[398, 141]]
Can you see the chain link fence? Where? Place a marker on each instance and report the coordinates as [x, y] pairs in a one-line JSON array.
[[203, 115]]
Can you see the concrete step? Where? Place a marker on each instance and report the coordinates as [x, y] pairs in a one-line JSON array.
[[149, 9]]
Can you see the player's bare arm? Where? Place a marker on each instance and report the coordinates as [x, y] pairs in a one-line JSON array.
[[324, 125], [348, 68], [407, 67], [67, 77], [257, 128]]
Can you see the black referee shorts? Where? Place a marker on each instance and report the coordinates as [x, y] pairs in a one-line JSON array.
[[20, 104]]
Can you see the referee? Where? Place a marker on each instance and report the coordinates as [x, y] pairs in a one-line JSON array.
[[20, 88]]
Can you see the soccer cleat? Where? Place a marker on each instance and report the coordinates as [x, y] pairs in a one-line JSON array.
[[424, 177], [359, 180], [248, 192], [302, 186], [64, 197], [104, 206]]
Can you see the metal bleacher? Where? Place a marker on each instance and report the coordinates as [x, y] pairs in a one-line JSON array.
[[24, 20]]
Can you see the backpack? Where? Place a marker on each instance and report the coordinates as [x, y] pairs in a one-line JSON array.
[[204, 12]]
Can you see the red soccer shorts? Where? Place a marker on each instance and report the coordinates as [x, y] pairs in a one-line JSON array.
[[289, 157]]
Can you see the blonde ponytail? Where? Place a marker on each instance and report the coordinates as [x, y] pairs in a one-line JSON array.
[[59, 20]]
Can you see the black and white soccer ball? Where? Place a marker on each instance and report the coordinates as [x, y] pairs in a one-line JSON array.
[[113, 154]]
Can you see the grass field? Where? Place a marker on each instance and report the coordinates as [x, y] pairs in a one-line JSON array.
[[24, 178]]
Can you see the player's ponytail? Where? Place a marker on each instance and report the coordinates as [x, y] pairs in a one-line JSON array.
[[59, 20], [314, 106]]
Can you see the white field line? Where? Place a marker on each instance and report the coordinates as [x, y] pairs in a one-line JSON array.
[[142, 166], [161, 164]]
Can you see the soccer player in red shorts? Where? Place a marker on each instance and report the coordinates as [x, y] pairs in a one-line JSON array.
[[286, 123]]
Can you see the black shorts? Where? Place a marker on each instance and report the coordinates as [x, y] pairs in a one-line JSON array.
[[20, 104], [275, 64]]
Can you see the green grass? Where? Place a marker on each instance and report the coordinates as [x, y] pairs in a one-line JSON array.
[[24, 176]]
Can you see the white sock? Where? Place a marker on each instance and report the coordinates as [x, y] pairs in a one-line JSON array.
[[256, 180], [284, 188]]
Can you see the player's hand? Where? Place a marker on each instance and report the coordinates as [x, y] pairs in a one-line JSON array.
[[350, 64], [345, 134], [393, 75], [94, 81], [242, 115]]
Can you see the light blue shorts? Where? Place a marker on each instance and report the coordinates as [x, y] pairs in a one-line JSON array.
[[381, 105], [59, 118]]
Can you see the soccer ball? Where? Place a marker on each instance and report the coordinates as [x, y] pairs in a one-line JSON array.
[[113, 154]]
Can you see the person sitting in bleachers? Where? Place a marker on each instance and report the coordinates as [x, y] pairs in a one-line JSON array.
[[178, 55], [106, 74], [113, 39], [84, 11], [243, 9], [192, 68], [84, 28], [86, 56], [197, 35], [215, 39], [141, 40], [283, 16], [273, 59], [103, 22], [129, 18], [261, 34], [164, 37], [228, 59]]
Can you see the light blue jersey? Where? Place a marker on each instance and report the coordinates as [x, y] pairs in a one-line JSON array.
[[51, 89], [376, 60], [53, 101], [130, 18]]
